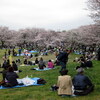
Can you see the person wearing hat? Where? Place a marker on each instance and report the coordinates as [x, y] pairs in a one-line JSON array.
[[64, 83], [82, 84]]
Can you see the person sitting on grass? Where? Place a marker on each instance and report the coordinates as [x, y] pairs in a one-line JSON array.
[[82, 62], [5, 66], [64, 83], [25, 61], [11, 78], [36, 61], [82, 84], [50, 64], [41, 63], [14, 65], [89, 63]]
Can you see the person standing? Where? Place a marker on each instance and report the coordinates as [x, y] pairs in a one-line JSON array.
[[63, 58], [19, 51], [9, 52], [98, 54]]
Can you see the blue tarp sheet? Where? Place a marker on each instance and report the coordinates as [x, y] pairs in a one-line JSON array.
[[35, 83], [43, 69]]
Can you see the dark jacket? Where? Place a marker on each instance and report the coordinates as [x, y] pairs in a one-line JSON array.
[[81, 82], [89, 64], [5, 65], [63, 57], [98, 54], [41, 64], [14, 65], [12, 78]]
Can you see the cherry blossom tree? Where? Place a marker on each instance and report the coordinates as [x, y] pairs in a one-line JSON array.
[[4, 35], [94, 7]]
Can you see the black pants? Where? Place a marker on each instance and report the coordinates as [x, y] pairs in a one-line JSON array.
[[85, 92], [63, 65], [4, 74]]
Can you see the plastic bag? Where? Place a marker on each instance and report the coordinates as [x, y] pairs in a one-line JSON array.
[[26, 81]]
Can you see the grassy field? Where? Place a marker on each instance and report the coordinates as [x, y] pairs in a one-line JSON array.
[[43, 92]]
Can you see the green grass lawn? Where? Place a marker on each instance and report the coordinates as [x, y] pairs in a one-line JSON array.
[[43, 92]]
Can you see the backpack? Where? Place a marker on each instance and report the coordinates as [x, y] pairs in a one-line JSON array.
[[41, 81]]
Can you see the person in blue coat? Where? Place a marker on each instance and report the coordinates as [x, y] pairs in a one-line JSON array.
[[82, 83]]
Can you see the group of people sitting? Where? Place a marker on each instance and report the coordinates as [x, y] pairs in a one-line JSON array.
[[85, 61], [66, 86], [78, 86], [41, 63], [9, 74]]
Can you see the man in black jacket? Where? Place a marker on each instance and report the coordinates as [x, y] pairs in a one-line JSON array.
[[11, 78], [63, 58]]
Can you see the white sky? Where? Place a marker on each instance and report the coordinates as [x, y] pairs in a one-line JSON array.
[[48, 14]]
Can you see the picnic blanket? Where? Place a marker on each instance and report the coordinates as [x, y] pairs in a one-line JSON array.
[[33, 51], [78, 52], [23, 54], [24, 65], [41, 69], [27, 54], [26, 82]]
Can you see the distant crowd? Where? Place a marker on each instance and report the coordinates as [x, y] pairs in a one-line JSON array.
[[66, 86]]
